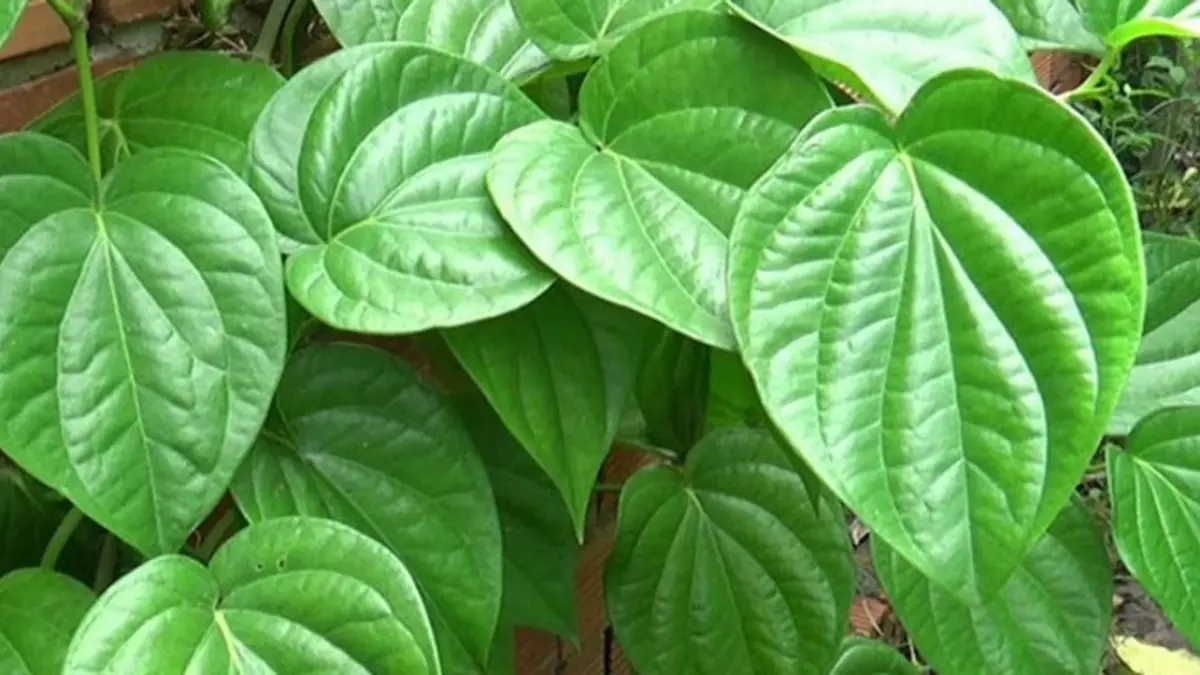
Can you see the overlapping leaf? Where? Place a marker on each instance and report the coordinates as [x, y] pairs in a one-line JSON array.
[[143, 331], [939, 336], [1052, 617], [576, 29], [1123, 21], [39, 611], [636, 206], [1050, 24], [26, 521], [860, 656], [10, 12], [672, 390]]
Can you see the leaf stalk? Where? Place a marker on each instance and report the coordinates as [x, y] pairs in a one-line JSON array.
[[58, 541]]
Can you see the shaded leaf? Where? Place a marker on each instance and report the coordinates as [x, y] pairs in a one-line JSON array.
[[1123, 21], [39, 611], [1050, 24], [27, 520], [860, 656], [732, 398], [672, 391], [572, 29]]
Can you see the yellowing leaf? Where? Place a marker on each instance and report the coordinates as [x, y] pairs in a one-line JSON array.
[[1148, 659]]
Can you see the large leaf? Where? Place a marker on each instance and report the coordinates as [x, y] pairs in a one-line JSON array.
[[941, 337], [727, 567], [1123, 21], [889, 50], [294, 595], [355, 436], [636, 206], [168, 101], [1156, 513], [1167, 372], [1050, 24], [372, 165], [143, 331], [10, 12], [39, 611], [860, 656], [1051, 618], [570, 30]]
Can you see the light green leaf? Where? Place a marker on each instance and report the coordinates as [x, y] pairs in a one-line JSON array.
[[889, 50], [1156, 514], [672, 390], [636, 206], [1123, 21], [355, 436], [215, 13], [860, 656], [1050, 24], [293, 595], [372, 165], [39, 611], [10, 13], [576, 29], [726, 567], [1052, 616], [938, 335], [143, 331], [166, 101]]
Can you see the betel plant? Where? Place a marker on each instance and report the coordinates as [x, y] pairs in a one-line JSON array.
[[635, 220]]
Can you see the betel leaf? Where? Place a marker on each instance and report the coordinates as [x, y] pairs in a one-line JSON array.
[[355, 436], [635, 206], [167, 101], [860, 656], [1050, 24], [728, 562], [10, 12], [483, 31], [1167, 371], [558, 372], [732, 398], [372, 165], [889, 50], [1123, 21], [941, 338], [672, 390], [143, 331], [570, 30], [293, 595], [1156, 514], [39, 611], [1052, 616]]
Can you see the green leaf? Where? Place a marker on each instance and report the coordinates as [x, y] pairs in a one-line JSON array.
[[727, 564], [672, 391], [1052, 616], [860, 656], [372, 165], [143, 332], [293, 595], [636, 205], [1123, 21], [732, 398], [355, 436], [39, 611], [1156, 514], [558, 372], [10, 12], [1167, 371], [27, 521], [1050, 24], [571, 29], [483, 31], [889, 50], [938, 335], [215, 13], [166, 101]]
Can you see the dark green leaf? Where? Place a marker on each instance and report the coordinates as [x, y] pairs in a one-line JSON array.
[[10, 12], [672, 391], [574, 30], [726, 567], [1123, 21], [732, 398], [860, 656], [27, 520], [1050, 24], [39, 611]]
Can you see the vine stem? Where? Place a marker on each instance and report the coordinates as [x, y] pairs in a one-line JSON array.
[[106, 569], [270, 29], [87, 93], [217, 535], [1092, 85], [287, 44], [62, 535]]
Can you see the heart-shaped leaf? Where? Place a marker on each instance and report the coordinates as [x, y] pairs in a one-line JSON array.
[[1156, 515], [940, 337], [143, 331], [729, 562], [889, 50], [356, 437], [293, 595], [167, 101], [1050, 24], [570, 30], [10, 12], [372, 164], [1052, 617], [39, 611], [636, 206], [860, 656], [1123, 21]]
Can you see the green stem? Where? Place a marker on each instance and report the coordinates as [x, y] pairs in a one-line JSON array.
[[270, 29], [87, 94], [608, 487], [106, 569], [291, 26], [62, 535], [218, 533], [1096, 83]]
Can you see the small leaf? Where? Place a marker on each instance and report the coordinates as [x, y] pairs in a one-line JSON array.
[[672, 391], [293, 595], [574, 30], [1147, 659], [1123, 21], [39, 611], [728, 563], [10, 12], [215, 13], [1051, 618], [1050, 24], [860, 656]]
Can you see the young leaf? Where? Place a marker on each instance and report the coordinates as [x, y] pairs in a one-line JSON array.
[[1156, 516], [575, 30], [1051, 618], [860, 656], [939, 336], [356, 437], [166, 101], [143, 331], [889, 50], [1050, 24], [10, 12], [290, 595], [372, 164], [39, 610], [1123, 21], [636, 206], [672, 390], [728, 563]]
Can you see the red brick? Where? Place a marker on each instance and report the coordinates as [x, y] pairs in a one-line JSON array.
[[20, 105], [124, 11], [1058, 71]]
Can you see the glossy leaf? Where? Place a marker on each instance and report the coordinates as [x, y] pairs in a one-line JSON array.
[[570, 30], [355, 436], [10, 12], [726, 566], [39, 611], [290, 595], [860, 656], [672, 390], [1050, 24], [889, 50], [1156, 515], [371, 163], [143, 332], [166, 101], [642, 219], [1052, 617], [940, 337], [1123, 21]]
